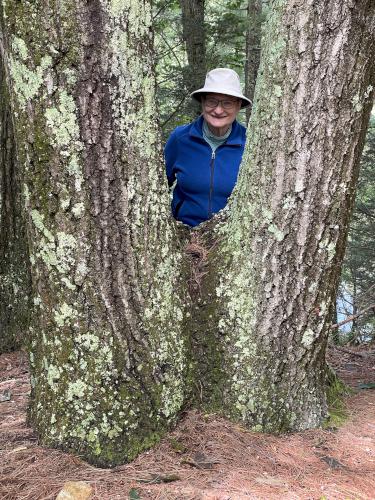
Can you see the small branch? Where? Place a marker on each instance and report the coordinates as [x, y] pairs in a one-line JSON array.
[[363, 210], [354, 316], [162, 8], [171, 49], [174, 112], [366, 291]]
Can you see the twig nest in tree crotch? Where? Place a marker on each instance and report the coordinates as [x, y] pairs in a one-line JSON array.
[[75, 490]]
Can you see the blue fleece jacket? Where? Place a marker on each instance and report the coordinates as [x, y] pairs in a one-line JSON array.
[[205, 179]]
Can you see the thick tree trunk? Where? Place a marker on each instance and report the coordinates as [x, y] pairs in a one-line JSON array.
[[278, 257], [117, 344], [193, 30], [108, 356], [14, 269], [253, 36]]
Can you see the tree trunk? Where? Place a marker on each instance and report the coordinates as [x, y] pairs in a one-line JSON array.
[[118, 345], [277, 258], [108, 355], [193, 31], [14, 269], [253, 36]]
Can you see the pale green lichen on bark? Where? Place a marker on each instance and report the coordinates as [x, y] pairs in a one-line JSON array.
[[359, 101], [133, 97], [81, 398], [38, 220], [26, 82], [163, 310], [57, 252], [63, 123], [251, 213], [273, 229], [65, 314], [78, 210]]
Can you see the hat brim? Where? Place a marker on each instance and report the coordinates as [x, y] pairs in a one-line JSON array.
[[197, 95]]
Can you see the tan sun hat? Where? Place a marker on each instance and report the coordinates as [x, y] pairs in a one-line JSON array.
[[222, 81]]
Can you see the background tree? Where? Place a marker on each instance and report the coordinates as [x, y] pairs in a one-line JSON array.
[[118, 345], [253, 35], [194, 35], [357, 288], [14, 272]]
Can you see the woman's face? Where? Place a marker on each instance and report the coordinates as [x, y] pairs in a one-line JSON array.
[[221, 116]]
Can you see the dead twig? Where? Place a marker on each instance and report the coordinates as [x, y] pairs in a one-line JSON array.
[[354, 316]]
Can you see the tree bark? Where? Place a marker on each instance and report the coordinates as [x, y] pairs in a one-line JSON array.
[[118, 344], [253, 41], [108, 354], [278, 257], [193, 31], [14, 269]]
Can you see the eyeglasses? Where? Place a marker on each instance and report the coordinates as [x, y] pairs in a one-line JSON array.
[[211, 102]]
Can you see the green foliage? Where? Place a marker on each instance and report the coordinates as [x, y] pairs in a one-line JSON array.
[[226, 30], [133, 494], [170, 62]]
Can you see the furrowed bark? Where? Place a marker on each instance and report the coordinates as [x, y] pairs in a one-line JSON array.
[[108, 357], [278, 258], [253, 38], [194, 35], [117, 345]]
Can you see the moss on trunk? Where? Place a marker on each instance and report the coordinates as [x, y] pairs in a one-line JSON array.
[[118, 346]]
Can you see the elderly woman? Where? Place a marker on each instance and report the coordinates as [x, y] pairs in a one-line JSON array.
[[203, 157]]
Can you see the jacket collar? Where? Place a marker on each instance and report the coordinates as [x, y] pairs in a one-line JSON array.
[[234, 139]]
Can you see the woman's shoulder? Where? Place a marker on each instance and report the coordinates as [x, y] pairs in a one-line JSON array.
[[241, 128], [239, 132], [176, 135], [182, 130]]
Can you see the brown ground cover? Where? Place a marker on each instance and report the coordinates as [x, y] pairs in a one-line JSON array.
[[207, 457]]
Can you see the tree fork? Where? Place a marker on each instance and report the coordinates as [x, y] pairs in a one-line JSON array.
[[118, 344]]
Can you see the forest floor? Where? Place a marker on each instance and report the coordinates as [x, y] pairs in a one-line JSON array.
[[207, 457]]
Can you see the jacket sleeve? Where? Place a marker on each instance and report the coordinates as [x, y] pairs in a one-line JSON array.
[[170, 154]]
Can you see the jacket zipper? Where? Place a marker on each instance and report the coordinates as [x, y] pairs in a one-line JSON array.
[[212, 164]]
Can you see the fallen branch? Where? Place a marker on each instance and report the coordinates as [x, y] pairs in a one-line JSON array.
[[354, 316]]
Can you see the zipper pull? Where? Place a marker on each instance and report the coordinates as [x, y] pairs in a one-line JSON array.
[[213, 155]]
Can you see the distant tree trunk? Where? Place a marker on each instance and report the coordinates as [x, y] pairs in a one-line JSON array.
[[195, 39], [118, 345], [253, 36], [335, 333], [15, 283], [354, 330]]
